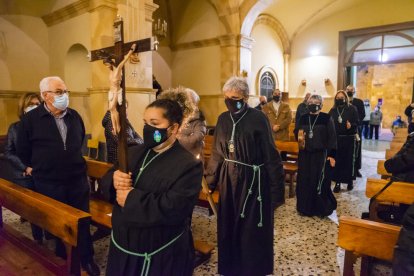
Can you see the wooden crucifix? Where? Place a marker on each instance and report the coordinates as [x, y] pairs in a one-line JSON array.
[[117, 52]]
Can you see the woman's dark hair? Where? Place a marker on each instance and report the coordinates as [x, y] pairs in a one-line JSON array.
[[172, 110]]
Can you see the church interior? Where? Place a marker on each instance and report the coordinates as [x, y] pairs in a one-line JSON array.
[[296, 46]]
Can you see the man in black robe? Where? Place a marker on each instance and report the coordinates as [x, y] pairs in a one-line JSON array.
[[247, 169], [345, 117], [359, 104]]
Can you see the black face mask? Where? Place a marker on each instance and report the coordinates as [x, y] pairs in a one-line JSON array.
[[313, 108], [350, 94], [234, 105], [339, 102], [154, 136], [276, 98]]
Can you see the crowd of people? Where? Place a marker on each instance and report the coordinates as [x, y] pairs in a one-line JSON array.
[[154, 200]]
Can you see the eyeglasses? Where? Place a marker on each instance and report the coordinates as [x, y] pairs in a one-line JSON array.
[[59, 92]]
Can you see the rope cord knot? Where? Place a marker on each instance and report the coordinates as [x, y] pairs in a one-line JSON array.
[[256, 170]]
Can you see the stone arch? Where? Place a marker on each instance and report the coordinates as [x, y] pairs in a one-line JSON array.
[[275, 25], [78, 70]]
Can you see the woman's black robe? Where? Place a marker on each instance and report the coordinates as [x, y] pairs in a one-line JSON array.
[[243, 247], [156, 211], [313, 166], [344, 171]]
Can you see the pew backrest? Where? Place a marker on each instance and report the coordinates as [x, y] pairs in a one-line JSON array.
[[397, 192], [381, 169], [56, 217], [369, 238]]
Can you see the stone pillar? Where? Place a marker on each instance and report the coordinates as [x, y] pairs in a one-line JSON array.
[[102, 16]]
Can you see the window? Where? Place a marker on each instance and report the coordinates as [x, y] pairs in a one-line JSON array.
[[267, 84]]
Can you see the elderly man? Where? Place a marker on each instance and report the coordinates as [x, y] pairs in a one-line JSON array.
[[262, 102], [50, 141], [359, 104], [246, 167], [279, 115]]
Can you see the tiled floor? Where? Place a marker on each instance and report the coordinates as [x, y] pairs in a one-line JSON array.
[[302, 246]]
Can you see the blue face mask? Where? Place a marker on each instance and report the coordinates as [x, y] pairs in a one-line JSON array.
[[61, 102]]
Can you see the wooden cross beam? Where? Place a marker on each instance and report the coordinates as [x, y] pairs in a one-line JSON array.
[[117, 52]]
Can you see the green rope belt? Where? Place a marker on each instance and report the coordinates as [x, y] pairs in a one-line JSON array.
[[146, 256], [256, 168]]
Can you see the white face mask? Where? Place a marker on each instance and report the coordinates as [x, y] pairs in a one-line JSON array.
[[30, 108], [61, 102]]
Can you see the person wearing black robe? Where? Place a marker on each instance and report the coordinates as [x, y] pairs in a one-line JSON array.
[[315, 161], [151, 232], [359, 104], [248, 171], [403, 262], [345, 117], [302, 109]]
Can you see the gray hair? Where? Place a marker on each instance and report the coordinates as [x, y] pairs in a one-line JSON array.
[[316, 97], [44, 84], [238, 84], [194, 96]]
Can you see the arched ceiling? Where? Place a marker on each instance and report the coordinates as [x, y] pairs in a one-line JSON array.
[[294, 15]]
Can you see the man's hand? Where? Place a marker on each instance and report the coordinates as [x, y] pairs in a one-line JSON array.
[[122, 181], [28, 171], [348, 125], [121, 196], [331, 161], [276, 128]]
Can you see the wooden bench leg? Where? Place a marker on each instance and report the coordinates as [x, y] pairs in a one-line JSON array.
[[365, 265], [73, 260], [349, 262]]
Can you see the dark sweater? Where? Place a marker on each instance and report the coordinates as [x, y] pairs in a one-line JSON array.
[[401, 165], [40, 146]]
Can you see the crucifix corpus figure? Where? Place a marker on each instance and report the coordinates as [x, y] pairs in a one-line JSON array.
[[120, 52], [115, 90]]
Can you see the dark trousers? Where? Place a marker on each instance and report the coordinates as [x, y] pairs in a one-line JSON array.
[[371, 130], [73, 192], [365, 129]]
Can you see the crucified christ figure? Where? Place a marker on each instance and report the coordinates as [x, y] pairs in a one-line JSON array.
[[115, 90]]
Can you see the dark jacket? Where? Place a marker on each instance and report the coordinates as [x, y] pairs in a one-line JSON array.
[[133, 138], [359, 104], [401, 165], [11, 167], [40, 146], [403, 263]]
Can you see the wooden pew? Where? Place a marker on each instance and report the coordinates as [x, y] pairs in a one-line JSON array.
[[367, 239], [290, 168], [381, 170], [397, 192], [396, 145], [401, 132], [389, 153], [57, 218]]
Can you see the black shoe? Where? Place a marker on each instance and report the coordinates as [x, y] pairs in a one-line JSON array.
[[350, 186], [358, 174], [337, 187], [91, 268]]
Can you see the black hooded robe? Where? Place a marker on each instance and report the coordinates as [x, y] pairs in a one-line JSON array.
[[344, 171], [313, 166], [244, 248], [156, 211]]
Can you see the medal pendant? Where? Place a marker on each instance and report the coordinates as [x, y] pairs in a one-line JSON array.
[[231, 146], [311, 134], [340, 119]]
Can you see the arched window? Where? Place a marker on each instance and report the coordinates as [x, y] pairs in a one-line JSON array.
[[267, 82], [390, 47]]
